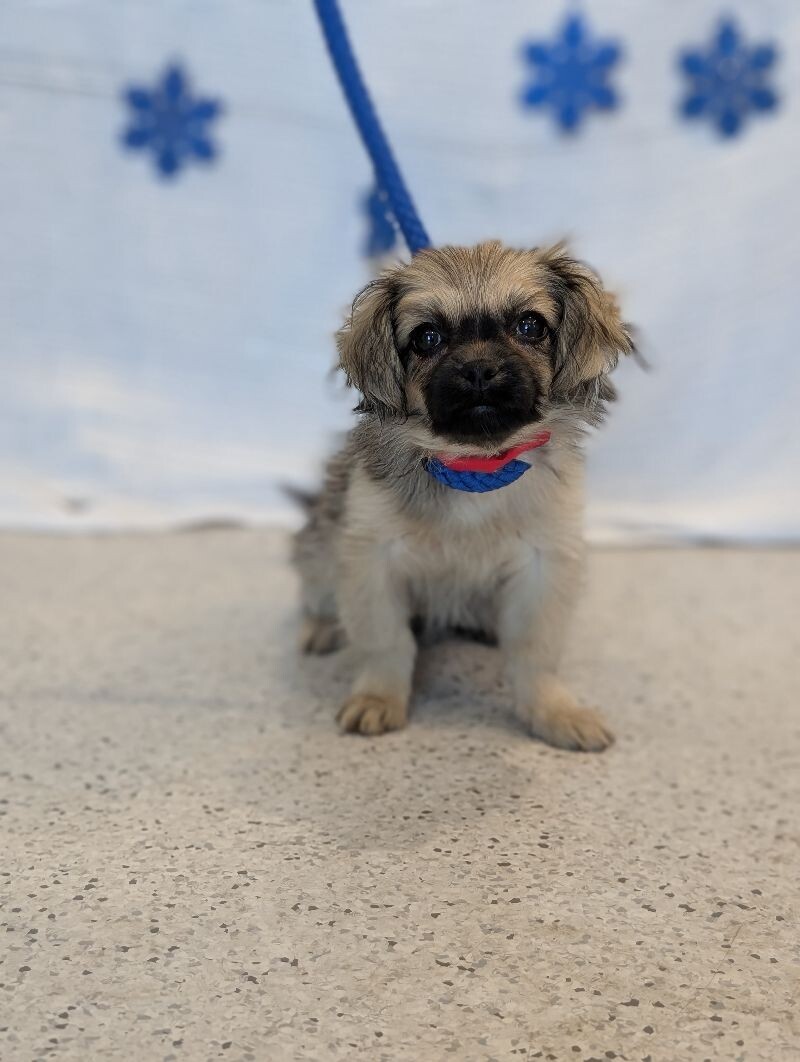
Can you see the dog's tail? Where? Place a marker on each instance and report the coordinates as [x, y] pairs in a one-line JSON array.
[[305, 499]]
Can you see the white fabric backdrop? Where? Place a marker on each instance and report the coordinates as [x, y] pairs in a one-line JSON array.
[[165, 345]]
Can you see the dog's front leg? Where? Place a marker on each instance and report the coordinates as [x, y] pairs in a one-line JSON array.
[[374, 610], [536, 606]]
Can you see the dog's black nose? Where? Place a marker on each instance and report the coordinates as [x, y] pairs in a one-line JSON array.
[[478, 373]]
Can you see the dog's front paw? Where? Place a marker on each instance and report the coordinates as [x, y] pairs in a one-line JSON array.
[[372, 713], [581, 729], [557, 719]]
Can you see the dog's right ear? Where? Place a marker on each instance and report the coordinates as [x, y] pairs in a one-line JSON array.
[[591, 335], [367, 350]]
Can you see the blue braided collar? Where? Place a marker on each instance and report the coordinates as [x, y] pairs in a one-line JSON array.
[[481, 474], [476, 482]]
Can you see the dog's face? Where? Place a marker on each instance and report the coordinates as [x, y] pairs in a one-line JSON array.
[[481, 342]]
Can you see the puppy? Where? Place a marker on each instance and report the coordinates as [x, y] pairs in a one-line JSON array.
[[463, 352]]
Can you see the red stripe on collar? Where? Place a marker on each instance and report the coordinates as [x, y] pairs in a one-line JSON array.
[[491, 464]]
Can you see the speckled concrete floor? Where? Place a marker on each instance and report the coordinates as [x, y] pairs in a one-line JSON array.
[[195, 866]]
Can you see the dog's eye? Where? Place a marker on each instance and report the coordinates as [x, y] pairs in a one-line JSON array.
[[531, 326], [425, 339]]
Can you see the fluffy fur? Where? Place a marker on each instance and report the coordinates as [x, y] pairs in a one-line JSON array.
[[386, 547]]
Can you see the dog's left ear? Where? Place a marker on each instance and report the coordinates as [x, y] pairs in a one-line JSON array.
[[367, 351], [591, 335]]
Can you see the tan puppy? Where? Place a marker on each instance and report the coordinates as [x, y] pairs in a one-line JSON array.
[[462, 352]]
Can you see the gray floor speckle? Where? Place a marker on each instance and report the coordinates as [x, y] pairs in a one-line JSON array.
[[195, 865]]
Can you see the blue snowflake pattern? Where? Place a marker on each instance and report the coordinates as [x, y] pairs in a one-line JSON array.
[[572, 74], [728, 80], [170, 122], [382, 231]]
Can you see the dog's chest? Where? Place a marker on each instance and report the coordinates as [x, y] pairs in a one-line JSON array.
[[455, 564]]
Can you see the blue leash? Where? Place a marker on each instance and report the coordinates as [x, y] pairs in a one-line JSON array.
[[390, 181], [387, 172]]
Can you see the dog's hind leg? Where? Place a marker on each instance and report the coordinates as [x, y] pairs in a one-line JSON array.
[[321, 634], [314, 557], [320, 629]]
